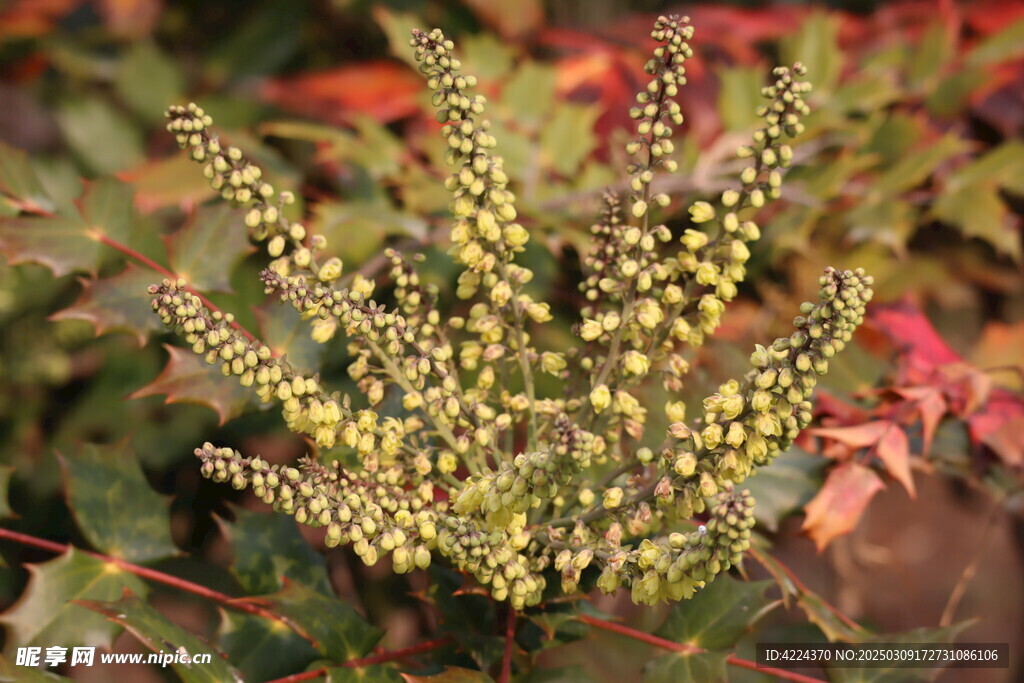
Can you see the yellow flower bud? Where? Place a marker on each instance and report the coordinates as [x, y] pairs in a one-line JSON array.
[[600, 398], [612, 498]]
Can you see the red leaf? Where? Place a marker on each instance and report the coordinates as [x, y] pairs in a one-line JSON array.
[[382, 90], [894, 451], [839, 505], [1001, 427], [909, 330], [931, 407]]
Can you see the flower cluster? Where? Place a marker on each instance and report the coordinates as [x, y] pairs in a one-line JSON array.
[[583, 495]]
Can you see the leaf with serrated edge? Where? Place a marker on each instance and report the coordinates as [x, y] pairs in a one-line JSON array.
[[839, 505], [894, 452], [330, 624], [116, 304], [19, 182], [451, 674], [718, 614], [161, 636], [45, 614], [212, 230], [5, 482], [263, 649], [114, 505], [267, 547], [108, 208], [706, 667], [188, 379], [286, 333]]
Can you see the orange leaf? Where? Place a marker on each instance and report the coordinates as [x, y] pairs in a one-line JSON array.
[[510, 19], [931, 408], [383, 90], [840, 503], [894, 452]]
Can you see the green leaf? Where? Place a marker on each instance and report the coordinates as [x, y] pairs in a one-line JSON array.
[[188, 379], [19, 181], [267, 547], [851, 673], [528, 95], [785, 487], [148, 80], [61, 244], [1002, 166], [12, 673], [397, 27], [567, 138], [705, 667], [334, 628], [5, 482], [451, 674], [161, 636], [206, 249], [718, 614], [562, 674], [116, 304], [952, 93], [45, 614], [816, 44], [979, 211], [114, 505], [739, 96], [914, 168], [263, 649], [104, 139], [1004, 45], [830, 624], [282, 328], [929, 56], [108, 209], [261, 42], [484, 55], [889, 221]]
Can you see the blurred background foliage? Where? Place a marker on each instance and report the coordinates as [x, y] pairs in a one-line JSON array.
[[912, 167]]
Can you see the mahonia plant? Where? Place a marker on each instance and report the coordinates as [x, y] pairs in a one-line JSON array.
[[515, 517]]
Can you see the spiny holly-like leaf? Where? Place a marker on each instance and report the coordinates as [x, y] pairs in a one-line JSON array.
[[718, 614], [785, 487], [263, 649], [61, 244], [820, 614], [842, 500], [116, 304], [188, 379], [158, 634], [286, 333], [269, 547], [107, 207], [12, 673], [706, 667], [45, 614], [451, 674], [219, 230], [894, 451], [873, 672], [979, 211], [114, 505], [167, 182], [71, 243], [18, 182], [333, 627], [5, 483]]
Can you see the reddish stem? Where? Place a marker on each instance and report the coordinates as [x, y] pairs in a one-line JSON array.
[[146, 573], [802, 587], [223, 599], [510, 636], [693, 649], [153, 265]]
